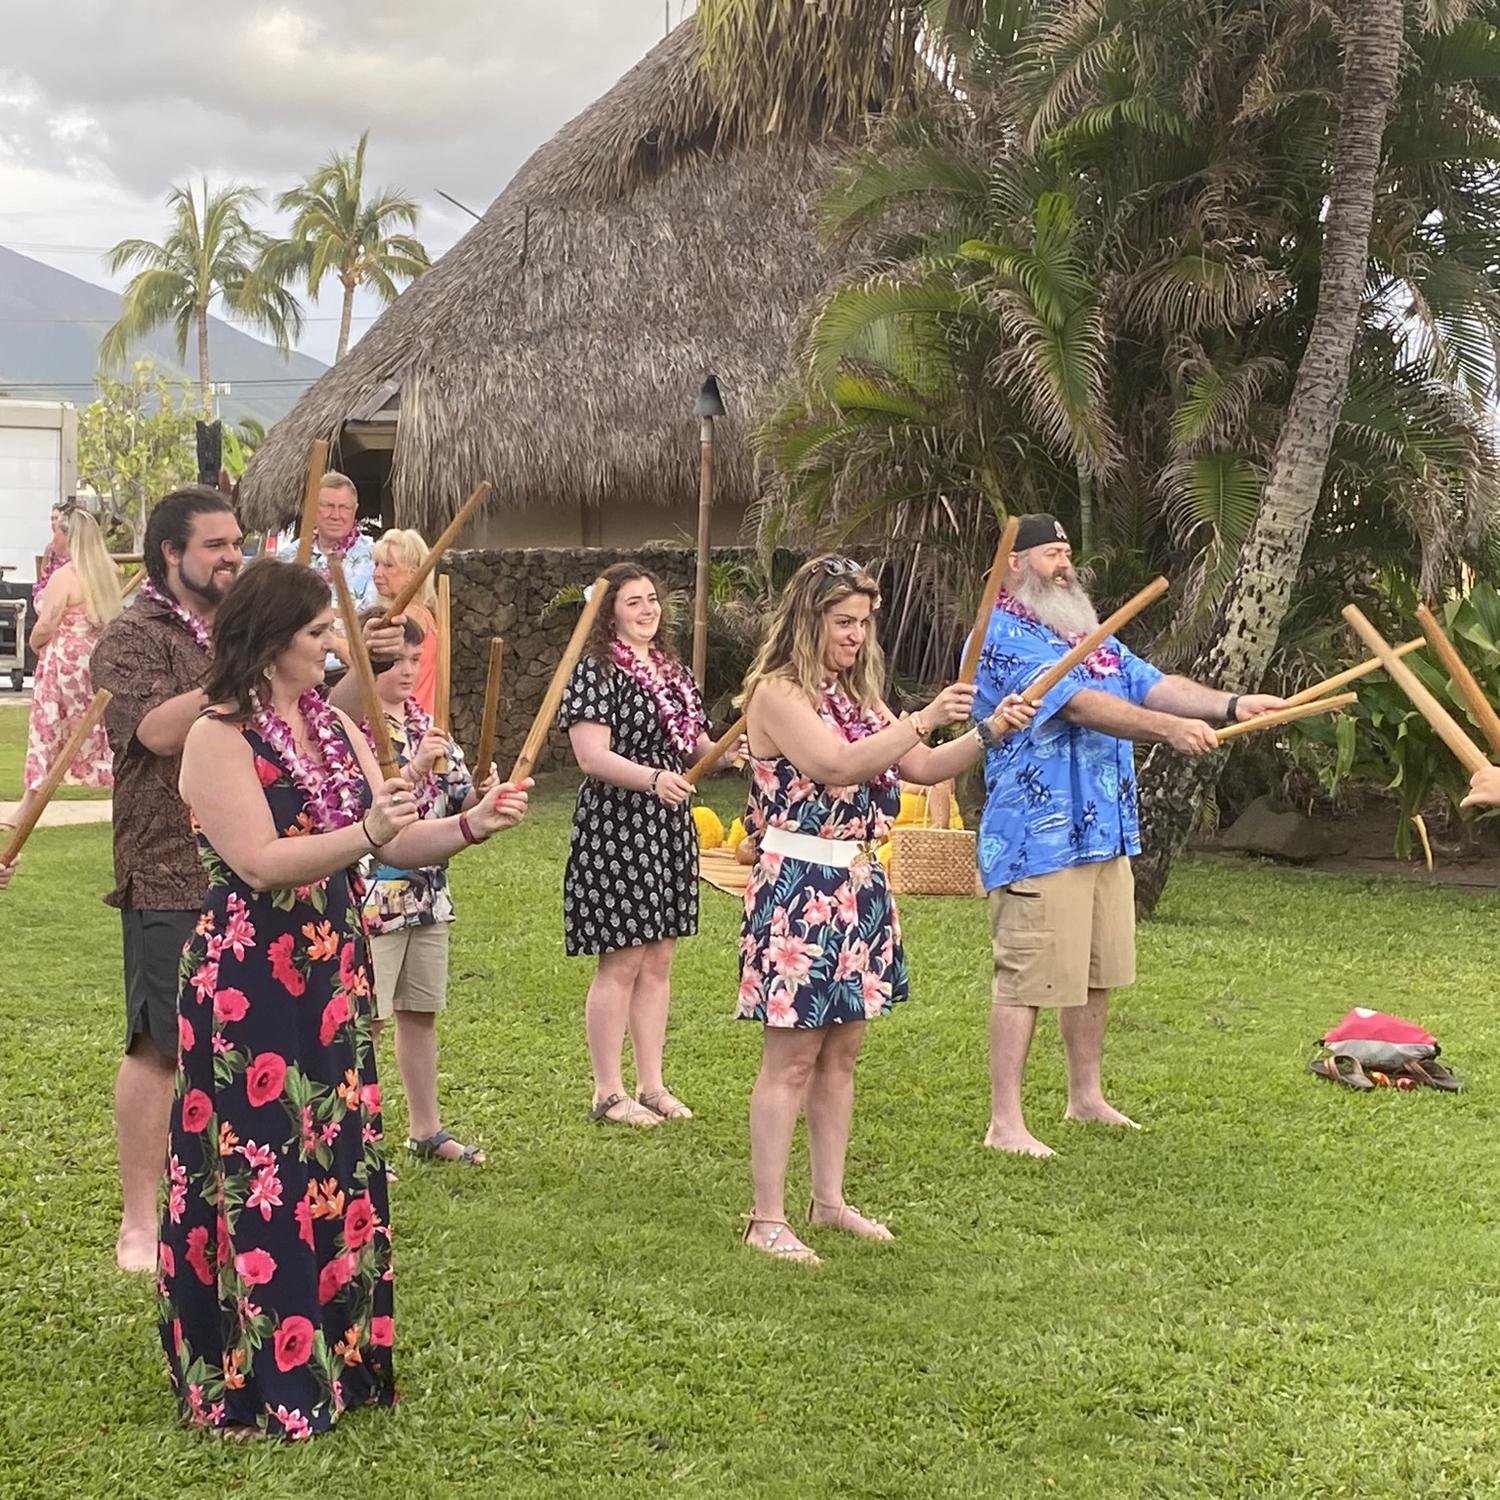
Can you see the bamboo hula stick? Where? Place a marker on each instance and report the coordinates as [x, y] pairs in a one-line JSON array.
[[1351, 674], [442, 697], [59, 768], [721, 747], [359, 660], [1480, 708], [993, 584], [435, 555], [1285, 716], [486, 751], [1469, 755], [1092, 642], [317, 466], [536, 736]]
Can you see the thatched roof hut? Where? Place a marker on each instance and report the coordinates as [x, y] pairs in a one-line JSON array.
[[557, 349]]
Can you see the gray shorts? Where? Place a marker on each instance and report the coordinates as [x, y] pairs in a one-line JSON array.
[[154, 941]]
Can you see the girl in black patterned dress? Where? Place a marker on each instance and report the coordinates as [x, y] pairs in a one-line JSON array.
[[635, 719]]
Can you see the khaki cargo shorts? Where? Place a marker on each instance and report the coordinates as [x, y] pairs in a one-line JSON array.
[[411, 969], [1058, 936]]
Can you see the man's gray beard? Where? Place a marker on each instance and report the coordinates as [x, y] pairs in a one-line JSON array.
[[1064, 608]]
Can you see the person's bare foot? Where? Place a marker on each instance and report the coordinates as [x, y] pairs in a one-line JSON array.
[[1099, 1113], [135, 1250], [1017, 1140]]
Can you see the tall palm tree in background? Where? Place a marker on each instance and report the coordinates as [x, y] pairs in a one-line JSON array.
[[336, 231], [210, 250], [1093, 247]]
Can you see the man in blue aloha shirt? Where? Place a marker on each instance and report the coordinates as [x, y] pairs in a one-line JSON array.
[[337, 534], [1059, 825]]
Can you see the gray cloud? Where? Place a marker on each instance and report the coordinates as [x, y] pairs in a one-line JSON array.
[[105, 103]]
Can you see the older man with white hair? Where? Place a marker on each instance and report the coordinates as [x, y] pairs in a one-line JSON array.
[[1059, 825]]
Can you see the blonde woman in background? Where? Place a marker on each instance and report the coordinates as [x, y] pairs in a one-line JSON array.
[[398, 555], [80, 599]]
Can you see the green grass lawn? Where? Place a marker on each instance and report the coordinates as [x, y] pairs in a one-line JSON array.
[[13, 758], [1275, 1289]]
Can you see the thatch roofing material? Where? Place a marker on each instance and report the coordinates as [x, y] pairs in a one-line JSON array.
[[558, 347]]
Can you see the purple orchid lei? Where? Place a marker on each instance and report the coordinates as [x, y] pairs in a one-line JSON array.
[[854, 723], [418, 721], [672, 690], [1104, 662], [197, 627], [332, 789]]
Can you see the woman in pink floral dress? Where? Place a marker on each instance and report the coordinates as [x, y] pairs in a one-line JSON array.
[[275, 1248], [81, 597], [820, 954]]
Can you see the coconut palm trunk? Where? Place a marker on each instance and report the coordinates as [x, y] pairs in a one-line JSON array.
[[1255, 603], [345, 319], [203, 380]]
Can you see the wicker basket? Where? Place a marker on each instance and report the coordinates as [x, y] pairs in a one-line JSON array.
[[934, 862]]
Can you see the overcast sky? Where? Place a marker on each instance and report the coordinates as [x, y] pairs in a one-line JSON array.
[[105, 103]]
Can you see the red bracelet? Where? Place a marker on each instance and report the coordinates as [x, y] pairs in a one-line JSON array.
[[468, 833]]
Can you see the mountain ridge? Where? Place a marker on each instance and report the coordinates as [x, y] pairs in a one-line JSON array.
[[51, 323]]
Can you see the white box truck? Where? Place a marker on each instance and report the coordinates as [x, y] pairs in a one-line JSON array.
[[38, 469]]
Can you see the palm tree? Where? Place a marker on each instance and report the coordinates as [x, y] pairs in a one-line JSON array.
[[211, 250], [335, 230], [1259, 594]]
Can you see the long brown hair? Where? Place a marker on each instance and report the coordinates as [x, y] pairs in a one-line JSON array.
[[603, 632], [797, 637], [264, 608]]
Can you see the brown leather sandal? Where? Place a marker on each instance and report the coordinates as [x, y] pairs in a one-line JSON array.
[[637, 1117], [840, 1220], [774, 1245], [672, 1109]]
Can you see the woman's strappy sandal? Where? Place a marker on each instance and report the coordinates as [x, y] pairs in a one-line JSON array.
[[636, 1116], [775, 1244], [840, 1220], [427, 1149], [665, 1104]]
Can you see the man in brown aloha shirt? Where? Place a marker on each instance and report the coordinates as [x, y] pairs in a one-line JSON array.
[[154, 659]]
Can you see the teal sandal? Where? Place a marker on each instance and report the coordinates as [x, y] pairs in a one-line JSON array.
[[428, 1150]]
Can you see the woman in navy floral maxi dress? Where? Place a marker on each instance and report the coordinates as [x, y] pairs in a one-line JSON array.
[[275, 1243]]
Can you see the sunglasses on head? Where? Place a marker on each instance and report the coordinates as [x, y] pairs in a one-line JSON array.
[[836, 567]]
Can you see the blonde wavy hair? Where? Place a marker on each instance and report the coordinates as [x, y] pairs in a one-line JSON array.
[[406, 549], [797, 637], [98, 578]]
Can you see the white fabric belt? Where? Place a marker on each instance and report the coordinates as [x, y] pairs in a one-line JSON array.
[[838, 854]]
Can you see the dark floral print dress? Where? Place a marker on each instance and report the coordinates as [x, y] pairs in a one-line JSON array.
[[820, 945], [275, 1275]]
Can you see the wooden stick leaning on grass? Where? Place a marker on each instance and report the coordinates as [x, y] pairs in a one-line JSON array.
[[992, 586], [720, 748], [55, 773], [1446, 727], [1350, 674], [442, 696], [486, 751], [1480, 708], [536, 736], [1093, 640], [435, 554], [359, 662], [317, 467], [1284, 716]]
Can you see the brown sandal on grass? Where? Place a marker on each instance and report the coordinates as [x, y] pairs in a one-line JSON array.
[[636, 1116], [840, 1220], [1340, 1068], [1431, 1072], [781, 1243], [665, 1105]]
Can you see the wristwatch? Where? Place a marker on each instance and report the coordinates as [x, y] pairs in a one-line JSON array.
[[1232, 712], [987, 734]]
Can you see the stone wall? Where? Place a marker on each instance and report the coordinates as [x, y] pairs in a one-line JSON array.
[[503, 593]]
